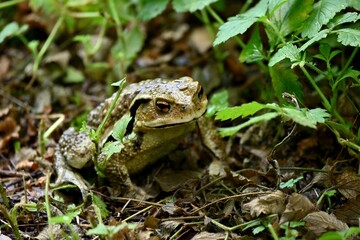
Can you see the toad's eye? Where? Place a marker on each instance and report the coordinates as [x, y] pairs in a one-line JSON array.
[[163, 106], [200, 93]]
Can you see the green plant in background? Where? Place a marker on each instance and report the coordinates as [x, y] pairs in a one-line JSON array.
[[292, 27], [71, 16]]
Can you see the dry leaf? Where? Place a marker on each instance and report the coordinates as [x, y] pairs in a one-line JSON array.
[[170, 180], [200, 39], [217, 169], [320, 222], [348, 184], [4, 66], [349, 212], [210, 236], [298, 206], [268, 204], [9, 130]]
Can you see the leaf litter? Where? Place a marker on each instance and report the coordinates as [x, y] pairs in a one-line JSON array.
[[227, 199]]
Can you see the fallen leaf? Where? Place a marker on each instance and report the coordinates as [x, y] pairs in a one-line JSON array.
[[217, 169], [273, 203], [9, 130], [200, 39], [348, 184], [306, 144], [4, 67], [349, 212], [170, 180], [320, 222], [211, 236], [298, 206]]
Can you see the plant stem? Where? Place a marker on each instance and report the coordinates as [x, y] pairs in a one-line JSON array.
[[326, 103], [43, 50], [112, 106], [47, 205], [4, 198], [10, 3], [349, 61], [12, 220]]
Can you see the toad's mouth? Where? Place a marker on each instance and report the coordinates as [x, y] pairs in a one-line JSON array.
[[166, 124]]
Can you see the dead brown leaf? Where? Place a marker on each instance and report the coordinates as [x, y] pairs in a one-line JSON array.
[[9, 130], [209, 236], [298, 206], [217, 169], [306, 144], [273, 203], [4, 67], [349, 212], [320, 222], [348, 184], [24, 158], [170, 180], [200, 39]]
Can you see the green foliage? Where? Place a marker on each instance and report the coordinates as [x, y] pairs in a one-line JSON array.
[[290, 229], [240, 23], [153, 8], [12, 29], [340, 235], [109, 231], [217, 102], [101, 206], [301, 34], [190, 6], [309, 118], [119, 135], [290, 183]]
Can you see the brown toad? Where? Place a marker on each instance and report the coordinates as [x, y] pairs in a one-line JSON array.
[[162, 113]]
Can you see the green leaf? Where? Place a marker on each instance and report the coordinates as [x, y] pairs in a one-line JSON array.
[[73, 75], [253, 51], [349, 37], [290, 183], [109, 149], [288, 51], [134, 40], [318, 36], [121, 84], [351, 73], [120, 127], [101, 205], [291, 15], [324, 10], [330, 193], [100, 229], [152, 8], [354, 4], [285, 80], [307, 118], [66, 218], [190, 6], [240, 23], [32, 45], [344, 18], [317, 115], [258, 230], [49, 7], [351, 231], [12, 29], [218, 101], [244, 110], [226, 132]]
